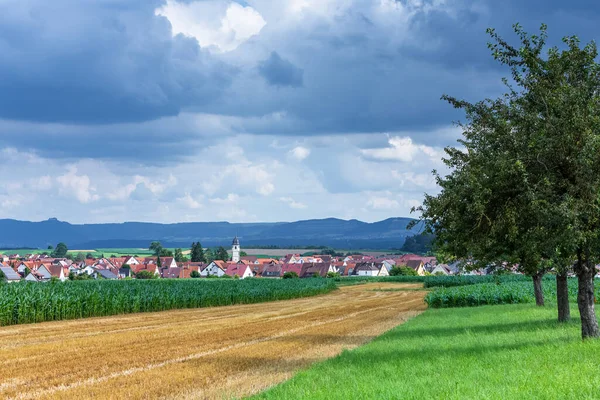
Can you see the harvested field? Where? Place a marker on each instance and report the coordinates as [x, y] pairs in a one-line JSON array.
[[196, 354]]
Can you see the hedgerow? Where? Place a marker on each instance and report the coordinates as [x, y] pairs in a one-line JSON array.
[[490, 293]]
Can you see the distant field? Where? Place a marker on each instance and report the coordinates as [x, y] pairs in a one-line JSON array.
[[262, 253]]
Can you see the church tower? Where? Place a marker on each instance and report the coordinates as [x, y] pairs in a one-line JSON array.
[[235, 250]]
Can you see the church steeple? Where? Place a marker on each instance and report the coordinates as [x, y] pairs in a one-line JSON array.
[[235, 249]]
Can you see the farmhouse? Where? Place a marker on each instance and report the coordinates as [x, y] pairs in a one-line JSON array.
[[9, 275]]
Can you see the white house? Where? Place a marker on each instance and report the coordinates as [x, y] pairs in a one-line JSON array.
[[215, 268], [243, 271]]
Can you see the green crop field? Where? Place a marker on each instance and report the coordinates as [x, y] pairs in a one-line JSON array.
[[27, 302], [489, 352]]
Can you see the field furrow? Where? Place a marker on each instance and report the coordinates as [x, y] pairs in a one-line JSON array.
[[203, 353]]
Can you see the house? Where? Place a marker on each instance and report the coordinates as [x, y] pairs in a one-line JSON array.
[[310, 270], [272, 271], [47, 272], [10, 275], [250, 259], [416, 265], [441, 269], [33, 277], [104, 274], [369, 269], [242, 270], [215, 268], [125, 272], [294, 267]]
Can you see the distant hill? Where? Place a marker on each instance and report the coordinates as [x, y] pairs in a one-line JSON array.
[[332, 232]]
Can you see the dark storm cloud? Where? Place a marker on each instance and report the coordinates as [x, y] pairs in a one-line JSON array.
[[280, 72], [99, 62]]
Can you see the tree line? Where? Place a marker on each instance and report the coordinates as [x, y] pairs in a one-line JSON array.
[[524, 183]]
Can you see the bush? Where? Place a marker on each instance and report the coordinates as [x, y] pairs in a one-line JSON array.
[[333, 275], [290, 275], [195, 274], [402, 271], [145, 275]]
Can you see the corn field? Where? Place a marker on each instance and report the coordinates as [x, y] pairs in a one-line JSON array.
[[26, 302]]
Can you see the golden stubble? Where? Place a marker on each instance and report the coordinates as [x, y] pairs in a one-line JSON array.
[[220, 352]]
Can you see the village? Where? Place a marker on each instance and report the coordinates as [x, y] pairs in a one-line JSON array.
[[44, 268]]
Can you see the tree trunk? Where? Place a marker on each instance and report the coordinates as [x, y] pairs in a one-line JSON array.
[[585, 297], [562, 297], [537, 288]]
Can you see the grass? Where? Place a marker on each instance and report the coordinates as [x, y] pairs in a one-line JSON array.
[[489, 352]]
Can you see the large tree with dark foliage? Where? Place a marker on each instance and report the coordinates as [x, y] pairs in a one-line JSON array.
[[525, 186], [420, 244], [197, 253]]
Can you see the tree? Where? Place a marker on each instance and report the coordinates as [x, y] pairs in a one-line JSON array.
[[195, 274], [80, 257], [420, 244], [50, 247], [333, 275], [89, 256], [179, 257], [222, 254], [156, 248], [243, 254], [197, 253], [399, 270], [60, 251], [290, 275], [166, 253], [528, 180]]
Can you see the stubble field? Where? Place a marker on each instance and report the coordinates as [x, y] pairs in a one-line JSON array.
[[189, 354]]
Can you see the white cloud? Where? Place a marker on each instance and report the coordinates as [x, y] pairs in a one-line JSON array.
[[42, 183], [300, 153], [231, 198], [382, 203], [402, 149], [292, 203], [77, 185], [224, 25], [190, 202]]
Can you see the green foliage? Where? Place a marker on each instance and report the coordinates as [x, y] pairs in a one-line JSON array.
[[80, 257], [333, 275], [145, 275], [402, 270], [222, 254], [60, 251], [290, 275], [316, 275], [465, 280], [156, 248], [35, 302], [179, 257], [420, 244], [195, 274], [492, 293], [197, 253]]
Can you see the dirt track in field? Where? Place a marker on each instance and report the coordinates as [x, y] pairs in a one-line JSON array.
[[219, 352]]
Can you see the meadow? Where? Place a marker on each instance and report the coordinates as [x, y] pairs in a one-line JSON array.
[[25, 302], [489, 352]]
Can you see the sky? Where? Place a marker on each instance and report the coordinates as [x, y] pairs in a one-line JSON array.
[[243, 111]]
